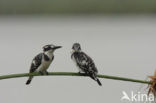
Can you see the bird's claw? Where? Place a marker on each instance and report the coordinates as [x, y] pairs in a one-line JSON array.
[[46, 73], [41, 73]]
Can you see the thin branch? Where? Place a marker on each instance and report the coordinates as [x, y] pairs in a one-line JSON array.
[[72, 74]]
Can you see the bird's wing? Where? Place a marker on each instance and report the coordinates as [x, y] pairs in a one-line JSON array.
[[36, 63], [85, 63]]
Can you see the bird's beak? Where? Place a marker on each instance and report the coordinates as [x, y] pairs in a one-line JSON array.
[[57, 47]]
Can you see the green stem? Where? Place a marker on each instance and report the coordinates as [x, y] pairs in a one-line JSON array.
[[72, 74]]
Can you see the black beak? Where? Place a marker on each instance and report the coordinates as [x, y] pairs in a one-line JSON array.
[[57, 47]]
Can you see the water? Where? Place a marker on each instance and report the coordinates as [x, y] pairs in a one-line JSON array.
[[120, 46]]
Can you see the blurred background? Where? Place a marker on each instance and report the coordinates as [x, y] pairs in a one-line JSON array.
[[77, 6], [118, 34]]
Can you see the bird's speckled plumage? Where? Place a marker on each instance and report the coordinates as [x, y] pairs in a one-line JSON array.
[[84, 63]]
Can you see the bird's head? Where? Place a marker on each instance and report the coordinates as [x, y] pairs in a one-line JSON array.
[[76, 47], [50, 48]]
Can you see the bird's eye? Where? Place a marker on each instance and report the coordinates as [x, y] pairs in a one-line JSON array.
[[73, 47]]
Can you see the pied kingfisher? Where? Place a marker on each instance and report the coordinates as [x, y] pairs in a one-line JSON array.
[[84, 63], [42, 61]]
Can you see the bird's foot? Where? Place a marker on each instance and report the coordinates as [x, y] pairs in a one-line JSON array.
[[41, 73], [46, 72]]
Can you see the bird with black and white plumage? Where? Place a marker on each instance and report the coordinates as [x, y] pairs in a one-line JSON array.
[[84, 63], [42, 61]]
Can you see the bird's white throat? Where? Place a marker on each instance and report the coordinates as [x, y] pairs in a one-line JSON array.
[[75, 51], [50, 54]]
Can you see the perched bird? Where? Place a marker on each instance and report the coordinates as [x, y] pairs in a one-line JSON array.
[[42, 61], [84, 63]]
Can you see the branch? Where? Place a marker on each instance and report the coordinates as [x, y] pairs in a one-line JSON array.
[[72, 74]]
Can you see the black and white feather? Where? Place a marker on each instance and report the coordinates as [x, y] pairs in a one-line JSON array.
[[42, 61], [84, 63]]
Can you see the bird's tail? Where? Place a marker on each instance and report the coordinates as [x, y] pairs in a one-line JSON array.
[[94, 77], [98, 81], [29, 80]]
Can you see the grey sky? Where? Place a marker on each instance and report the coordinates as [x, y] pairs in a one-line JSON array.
[[120, 46]]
